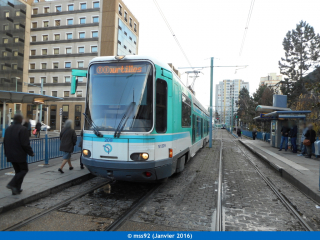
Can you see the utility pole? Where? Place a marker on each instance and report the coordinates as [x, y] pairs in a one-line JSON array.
[[232, 115], [41, 92], [211, 86]]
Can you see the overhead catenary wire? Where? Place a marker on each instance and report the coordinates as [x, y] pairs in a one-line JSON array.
[[247, 26], [171, 31]]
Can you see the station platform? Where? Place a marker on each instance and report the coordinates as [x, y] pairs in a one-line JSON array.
[[300, 171], [41, 181]]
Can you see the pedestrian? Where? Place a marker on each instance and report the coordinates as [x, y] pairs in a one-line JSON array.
[[27, 125], [254, 134], [16, 148], [302, 146], [284, 136], [68, 139], [239, 132], [311, 136], [38, 127], [293, 137], [80, 145]]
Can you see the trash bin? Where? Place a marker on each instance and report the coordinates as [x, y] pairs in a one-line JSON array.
[[317, 148]]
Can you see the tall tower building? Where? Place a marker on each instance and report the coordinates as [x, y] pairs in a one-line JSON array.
[[226, 92]]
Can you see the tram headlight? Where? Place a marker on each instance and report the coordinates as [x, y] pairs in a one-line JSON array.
[[120, 57], [86, 153], [139, 156], [145, 156]]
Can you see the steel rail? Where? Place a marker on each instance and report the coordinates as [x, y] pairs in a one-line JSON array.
[[282, 198], [57, 206], [119, 222], [219, 215]]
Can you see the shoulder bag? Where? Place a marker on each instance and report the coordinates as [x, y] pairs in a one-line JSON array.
[[306, 142]]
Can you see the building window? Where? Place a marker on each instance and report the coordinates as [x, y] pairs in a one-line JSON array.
[[67, 64], [69, 35], [186, 111], [80, 49], [83, 6], [16, 26], [130, 22], [33, 52], [34, 25], [15, 53], [35, 11], [5, 40], [95, 34], [57, 37], [66, 94], [32, 66], [43, 92], [82, 35], [54, 93], [45, 38], [56, 51], [43, 66], [125, 33], [31, 80], [5, 27], [58, 8], [70, 7], [44, 52], [119, 42], [7, 14], [33, 39], [69, 21], [135, 27], [161, 106], [17, 13], [96, 4], [55, 65], [120, 9], [68, 50], [46, 9], [55, 79], [82, 20], [80, 79], [67, 79], [31, 91], [57, 22], [46, 24], [126, 16], [14, 66], [80, 64], [4, 54], [79, 93], [125, 47], [16, 39], [95, 19], [94, 49], [43, 80]]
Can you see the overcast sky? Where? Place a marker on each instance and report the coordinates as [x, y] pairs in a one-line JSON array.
[[214, 28]]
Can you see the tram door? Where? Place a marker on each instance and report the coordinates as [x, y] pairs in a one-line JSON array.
[[194, 122], [201, 128]]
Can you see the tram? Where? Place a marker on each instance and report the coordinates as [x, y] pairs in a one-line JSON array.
[[142, 123]]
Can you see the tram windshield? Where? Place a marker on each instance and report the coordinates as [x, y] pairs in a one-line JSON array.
[[120, 96]]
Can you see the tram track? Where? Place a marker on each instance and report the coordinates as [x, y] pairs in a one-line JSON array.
[[281, 197]]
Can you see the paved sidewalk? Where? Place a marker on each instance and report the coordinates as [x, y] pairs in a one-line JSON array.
[[41, 181], [300, 171]]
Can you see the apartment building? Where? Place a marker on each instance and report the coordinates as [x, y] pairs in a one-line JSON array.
[[66, 35], [226, 92], [272, 80]]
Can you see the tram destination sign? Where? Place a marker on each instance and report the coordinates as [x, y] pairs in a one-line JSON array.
[[120, 69]]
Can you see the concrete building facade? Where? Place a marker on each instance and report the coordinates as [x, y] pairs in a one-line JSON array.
[[64, 35], [226, 92], [272, 80]]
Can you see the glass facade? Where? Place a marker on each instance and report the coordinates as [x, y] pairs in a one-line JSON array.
[[12, 34], [127, 41]]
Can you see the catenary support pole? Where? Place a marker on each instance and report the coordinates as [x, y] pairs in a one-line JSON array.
[[41, 92], [232, 116], [211, 86], [4, 119]]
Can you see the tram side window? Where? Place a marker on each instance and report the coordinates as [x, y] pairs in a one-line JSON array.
[[186, 111], [161, 106], [199, 127]]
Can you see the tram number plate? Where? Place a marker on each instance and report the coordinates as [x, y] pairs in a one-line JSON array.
[[162, 146]]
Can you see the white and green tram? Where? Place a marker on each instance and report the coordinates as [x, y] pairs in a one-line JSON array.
[[142, 123]]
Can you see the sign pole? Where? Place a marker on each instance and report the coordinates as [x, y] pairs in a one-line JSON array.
[[211, 86], [60, 118]]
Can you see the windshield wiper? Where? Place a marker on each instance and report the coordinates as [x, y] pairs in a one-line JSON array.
[[124, 120], [93, 125]]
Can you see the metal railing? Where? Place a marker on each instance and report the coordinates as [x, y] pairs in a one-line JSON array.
[[43, 148]]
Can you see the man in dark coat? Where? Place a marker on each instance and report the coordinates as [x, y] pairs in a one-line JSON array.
[[68, 139], [38, 127], [293, 137], [284, 136], [16, 148], [310, 135], [254, 134]]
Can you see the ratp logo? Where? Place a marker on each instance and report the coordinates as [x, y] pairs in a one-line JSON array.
[[107, 148]]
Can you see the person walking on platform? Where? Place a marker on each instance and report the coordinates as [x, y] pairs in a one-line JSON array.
[[28, 126], [302, 146], [38, 127], [293, 137], [311, 136], [16, 148], [284, 136], [80, 145], [68, 139], [254, 134], [239, 132]]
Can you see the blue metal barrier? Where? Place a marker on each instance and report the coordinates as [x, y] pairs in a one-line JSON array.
[[41, 150]]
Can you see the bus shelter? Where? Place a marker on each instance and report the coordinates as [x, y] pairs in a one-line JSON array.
[[21, 97]]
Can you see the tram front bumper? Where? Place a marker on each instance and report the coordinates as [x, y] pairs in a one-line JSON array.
[[129, 171]]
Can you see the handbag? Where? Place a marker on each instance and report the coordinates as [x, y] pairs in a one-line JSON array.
[[306, 142], [34, 132]]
